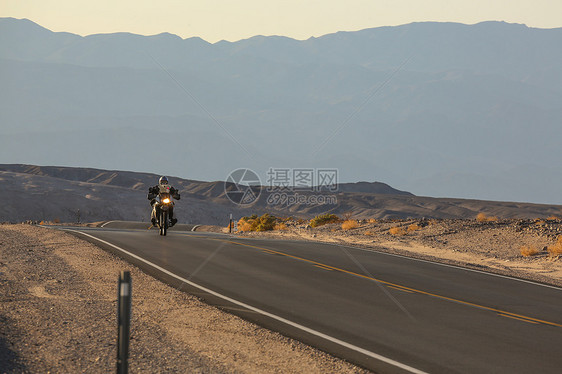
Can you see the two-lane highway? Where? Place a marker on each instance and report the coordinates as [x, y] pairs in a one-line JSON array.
[[385, 312]]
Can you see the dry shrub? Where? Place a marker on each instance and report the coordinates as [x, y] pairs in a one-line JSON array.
[[349, 224], [372, 220], [244, 225], [556, 249], [280, 226], [529, 250], [552, 218], [397, 231], [540, 222], [369, 233], [324, 219], [56, 220], [482, 217], [414, 227], [265, 222]]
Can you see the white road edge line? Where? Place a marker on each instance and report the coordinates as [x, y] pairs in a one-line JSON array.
[[263, 312], [107, 223]]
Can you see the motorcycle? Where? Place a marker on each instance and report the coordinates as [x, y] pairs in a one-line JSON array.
[[160, 211], [162, 206]]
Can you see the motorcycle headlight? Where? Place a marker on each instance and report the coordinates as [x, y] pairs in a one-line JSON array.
[[166, 201]]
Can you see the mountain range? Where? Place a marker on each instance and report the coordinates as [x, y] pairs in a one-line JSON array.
[[439, 109], [50, 193]]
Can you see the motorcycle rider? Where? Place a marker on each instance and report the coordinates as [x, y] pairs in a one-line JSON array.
[[162, 187]]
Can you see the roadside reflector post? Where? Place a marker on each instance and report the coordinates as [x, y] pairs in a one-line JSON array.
[[123, 321], [230, 224]]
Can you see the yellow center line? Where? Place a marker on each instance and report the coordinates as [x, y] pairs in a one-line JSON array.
[[323, 267], [506, 313], [519, 319], [400, 289]]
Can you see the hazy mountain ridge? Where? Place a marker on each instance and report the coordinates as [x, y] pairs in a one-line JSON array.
[[48, 192], [142, 181], [492, 47], [480, 100], [68, 194]]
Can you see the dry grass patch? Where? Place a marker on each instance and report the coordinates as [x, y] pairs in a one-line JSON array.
[[482, 217], [556, 249], [369, 233], [397, 231], [244, 225], [349, 224], [433, 222], [265, 222], [280, 227], [372, 220], [414, 227], [324, 219], [529, 250]]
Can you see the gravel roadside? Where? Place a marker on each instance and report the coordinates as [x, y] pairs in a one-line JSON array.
[[58, 314]]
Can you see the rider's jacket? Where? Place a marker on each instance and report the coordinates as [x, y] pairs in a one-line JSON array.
[[160, 188]]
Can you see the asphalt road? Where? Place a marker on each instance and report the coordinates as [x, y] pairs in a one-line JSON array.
[[384, 312]]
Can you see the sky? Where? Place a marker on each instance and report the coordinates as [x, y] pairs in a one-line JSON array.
[[215, 20]]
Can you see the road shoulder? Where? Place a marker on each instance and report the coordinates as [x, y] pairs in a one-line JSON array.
[[58, 306]]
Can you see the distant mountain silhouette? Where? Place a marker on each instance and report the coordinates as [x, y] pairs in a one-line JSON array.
[[440, 109], [142, 181], [91, 195]]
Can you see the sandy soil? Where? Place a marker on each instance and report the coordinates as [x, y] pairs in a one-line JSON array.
[[493, 246], [58, 314]]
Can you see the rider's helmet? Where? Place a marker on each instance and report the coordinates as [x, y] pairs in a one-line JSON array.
[[163, 181]]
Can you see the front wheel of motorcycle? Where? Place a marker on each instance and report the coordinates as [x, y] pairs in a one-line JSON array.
[[165, 222]]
